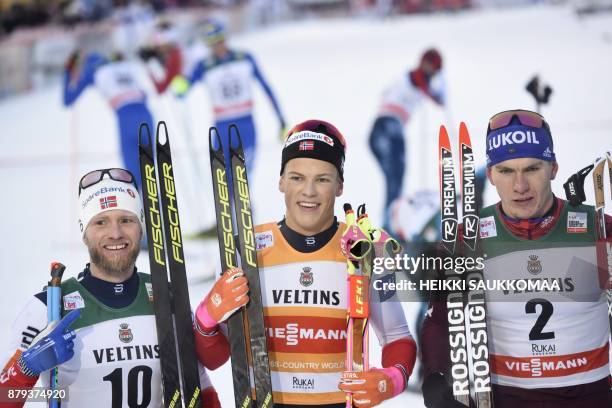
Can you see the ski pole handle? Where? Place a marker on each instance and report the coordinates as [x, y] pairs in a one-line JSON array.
[[354, 244], [57, 271]]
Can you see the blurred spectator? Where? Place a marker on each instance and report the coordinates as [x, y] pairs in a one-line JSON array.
[[16, 13], [135, 21], [28, 13], [162, 55], [75, 11]]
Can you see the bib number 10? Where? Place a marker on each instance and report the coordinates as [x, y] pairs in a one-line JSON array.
[[546, 310], [138, 386]]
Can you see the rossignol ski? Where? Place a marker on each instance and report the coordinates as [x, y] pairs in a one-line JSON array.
[[455, 304], [179, 363], [249, 320], [469, 351], [604, 243], [476, 307]]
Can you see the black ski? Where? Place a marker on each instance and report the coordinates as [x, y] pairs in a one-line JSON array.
[[188, 361], [248, 262], [227, 250], [252, 315], [180, 376]]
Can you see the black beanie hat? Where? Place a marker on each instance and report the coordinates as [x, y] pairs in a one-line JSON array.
[[315, 139]]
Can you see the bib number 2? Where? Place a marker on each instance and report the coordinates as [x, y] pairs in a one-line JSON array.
[[546, 311]]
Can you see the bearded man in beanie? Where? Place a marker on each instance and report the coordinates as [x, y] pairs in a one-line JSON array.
[[107, 336], [303, 282], [547, 347]]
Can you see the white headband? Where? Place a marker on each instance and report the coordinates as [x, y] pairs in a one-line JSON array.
[[108, 195]]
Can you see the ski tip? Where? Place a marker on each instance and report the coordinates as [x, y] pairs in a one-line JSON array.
[[235, 141], [144, 139], [464, 135], [444, 140], [214, 140], [162, 137]]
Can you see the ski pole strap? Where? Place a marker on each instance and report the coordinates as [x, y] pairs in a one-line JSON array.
[[574, 186]]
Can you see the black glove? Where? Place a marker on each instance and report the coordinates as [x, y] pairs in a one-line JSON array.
[[574, 186], [146, 53], [437, 393]]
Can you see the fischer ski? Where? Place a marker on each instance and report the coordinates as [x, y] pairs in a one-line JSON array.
[[179, 363], [248, 320]]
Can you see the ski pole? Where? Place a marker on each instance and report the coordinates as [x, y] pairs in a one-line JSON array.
[[54, 294], [609, 283], [603, 247], [356, 247]]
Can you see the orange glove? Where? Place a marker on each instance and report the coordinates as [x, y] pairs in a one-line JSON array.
[[228, 294], [370, 388]]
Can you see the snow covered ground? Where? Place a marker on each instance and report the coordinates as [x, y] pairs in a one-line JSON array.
[[334, 70]]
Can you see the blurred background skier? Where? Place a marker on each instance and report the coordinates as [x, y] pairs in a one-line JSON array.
[[228, 75], [400, 99], [121, 83]]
